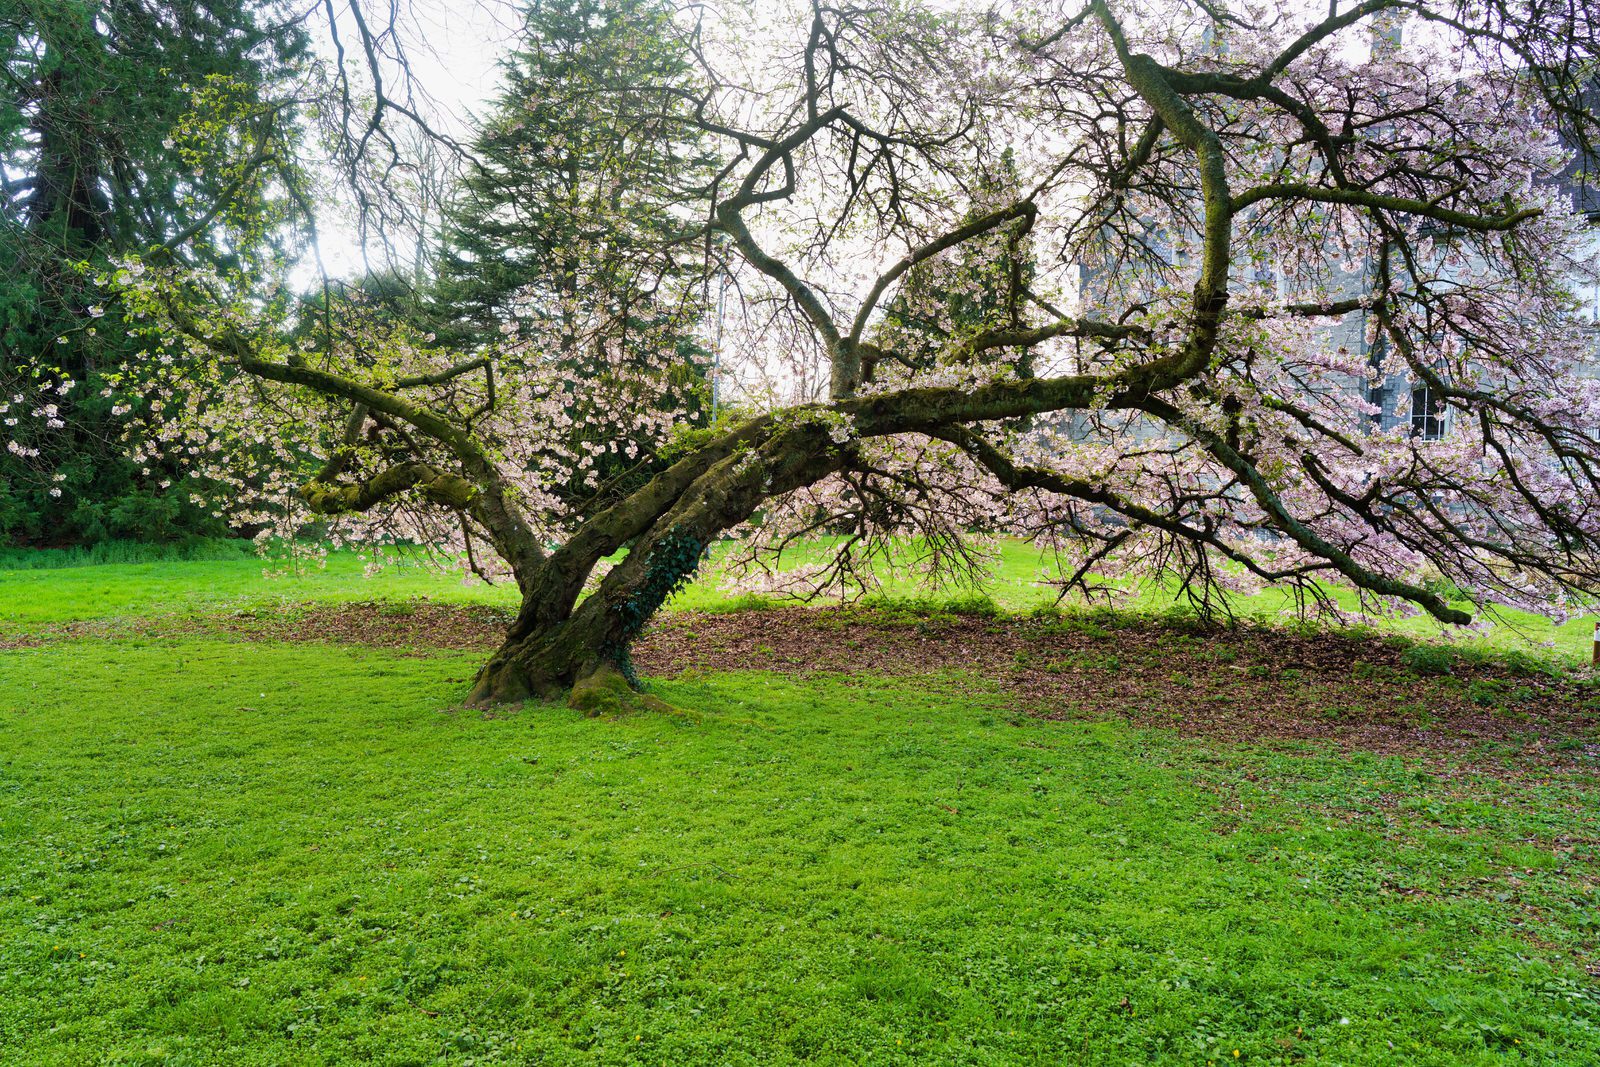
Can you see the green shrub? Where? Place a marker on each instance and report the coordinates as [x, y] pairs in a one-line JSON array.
[[1445, 589], [974, 604], [1375, 672], [1184, 619], [980, 605]]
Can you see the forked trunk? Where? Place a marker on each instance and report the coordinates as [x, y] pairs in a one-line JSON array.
[[555, 646], [557, 654]]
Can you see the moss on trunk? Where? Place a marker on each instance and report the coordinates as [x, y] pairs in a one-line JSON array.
[[556, 644]]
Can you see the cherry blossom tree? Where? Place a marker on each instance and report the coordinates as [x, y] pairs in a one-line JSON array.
[[1239, 224]]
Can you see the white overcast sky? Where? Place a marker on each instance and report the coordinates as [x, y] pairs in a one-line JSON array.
[[454, 48]]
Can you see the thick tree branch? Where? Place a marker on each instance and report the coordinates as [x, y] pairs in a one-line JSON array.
[[440, 487], [1301, 192]]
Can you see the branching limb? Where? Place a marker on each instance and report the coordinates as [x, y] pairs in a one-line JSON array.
[[439, 487]]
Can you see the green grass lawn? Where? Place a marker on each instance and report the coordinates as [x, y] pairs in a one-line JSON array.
[[226, 851], [216, 852], [34, 596]]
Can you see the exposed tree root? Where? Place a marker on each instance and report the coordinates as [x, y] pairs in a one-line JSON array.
[[605, 693]]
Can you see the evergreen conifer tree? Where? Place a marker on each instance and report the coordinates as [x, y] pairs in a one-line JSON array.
[[572, 233], [125, 127]]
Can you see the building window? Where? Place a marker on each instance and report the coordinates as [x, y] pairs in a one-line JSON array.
[[1429, 413]]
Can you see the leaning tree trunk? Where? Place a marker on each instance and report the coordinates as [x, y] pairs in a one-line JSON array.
[[557, 644]]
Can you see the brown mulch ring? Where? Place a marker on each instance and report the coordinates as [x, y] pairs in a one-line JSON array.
[[1239, 685]]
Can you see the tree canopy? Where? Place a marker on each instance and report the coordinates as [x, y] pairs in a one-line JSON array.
[[1238, 225]]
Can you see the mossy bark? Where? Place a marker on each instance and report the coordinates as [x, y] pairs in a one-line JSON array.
[[556, 643]]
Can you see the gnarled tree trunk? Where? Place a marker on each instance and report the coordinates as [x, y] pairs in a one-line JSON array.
[[556, 642]]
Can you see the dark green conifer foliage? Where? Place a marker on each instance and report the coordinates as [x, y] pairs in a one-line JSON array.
[[125, 126], [576, 225]]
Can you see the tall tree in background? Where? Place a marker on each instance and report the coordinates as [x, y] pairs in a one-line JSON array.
[[125, 127], [572, 233]]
